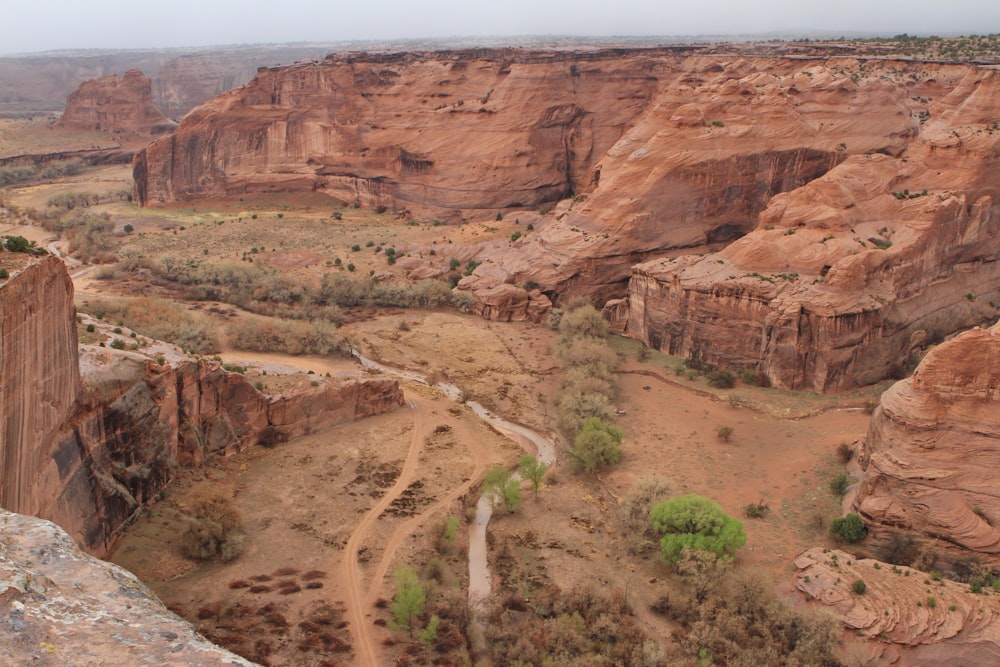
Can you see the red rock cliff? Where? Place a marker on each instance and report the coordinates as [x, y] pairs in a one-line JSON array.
[[115, 104]]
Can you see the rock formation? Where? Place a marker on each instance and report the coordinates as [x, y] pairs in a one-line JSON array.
[[931, 458], [844, 276], [61, 606], [88, 453], [115, 104], [937, 621]]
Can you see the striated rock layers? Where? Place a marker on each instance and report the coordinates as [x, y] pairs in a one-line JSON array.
[[844, 277], [116, 104], [87, 454], [61, 606], [937, 622], [931, 458]]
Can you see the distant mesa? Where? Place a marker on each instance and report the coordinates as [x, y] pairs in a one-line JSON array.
[[116, 104]]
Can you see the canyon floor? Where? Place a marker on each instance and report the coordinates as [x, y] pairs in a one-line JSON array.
[[386, 485]]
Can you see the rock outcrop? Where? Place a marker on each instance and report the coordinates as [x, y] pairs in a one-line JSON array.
[[931, 458], [88, 452], [61, 606], [936, 621], [116, 104], [845, 276]]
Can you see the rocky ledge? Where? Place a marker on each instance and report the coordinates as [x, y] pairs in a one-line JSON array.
[[61, 606], [931, 621]]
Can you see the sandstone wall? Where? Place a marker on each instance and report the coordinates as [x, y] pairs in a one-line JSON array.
[[931, 458], [459, 130]]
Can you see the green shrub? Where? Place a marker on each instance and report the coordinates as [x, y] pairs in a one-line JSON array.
[[858, 587], [848, 529], [4, 274]]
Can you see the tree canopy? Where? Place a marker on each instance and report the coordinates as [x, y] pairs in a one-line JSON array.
[[695, 522]]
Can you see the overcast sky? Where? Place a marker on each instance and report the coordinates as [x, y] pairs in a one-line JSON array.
[[41, 25]]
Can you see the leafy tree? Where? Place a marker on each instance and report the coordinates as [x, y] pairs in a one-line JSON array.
[[502, 488], [409, 600], [583, 322], [598, 443], [848, 529], [532, 470], [695, 522], [18, 244]]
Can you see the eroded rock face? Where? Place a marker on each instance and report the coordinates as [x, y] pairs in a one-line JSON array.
[[931, 457], [62, 606], [939, 622], [844, 276], [88, 451], [116, 104]]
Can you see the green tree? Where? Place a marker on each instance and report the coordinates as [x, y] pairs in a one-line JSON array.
[[502, 489], [532, 470], [597, 444], [409, 600], [695, 522]]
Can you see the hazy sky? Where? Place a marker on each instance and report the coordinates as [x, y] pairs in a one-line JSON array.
[[39, 25]]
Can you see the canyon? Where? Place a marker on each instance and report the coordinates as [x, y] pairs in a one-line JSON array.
[[848, 204], [823, 222]]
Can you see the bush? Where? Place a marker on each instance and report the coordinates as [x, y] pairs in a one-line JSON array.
[[4, 274], [502, 488], [214, 529], [695, 522], [288, 336], [839, 483], [160, 319], [858, 587], [725, 433], [721, 379], [597, 444], [848, 529]]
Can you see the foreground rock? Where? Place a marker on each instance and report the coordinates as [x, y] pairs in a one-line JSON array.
[[61, 606], [938, 622], [87, 451], [931, 458], [116, 104]]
